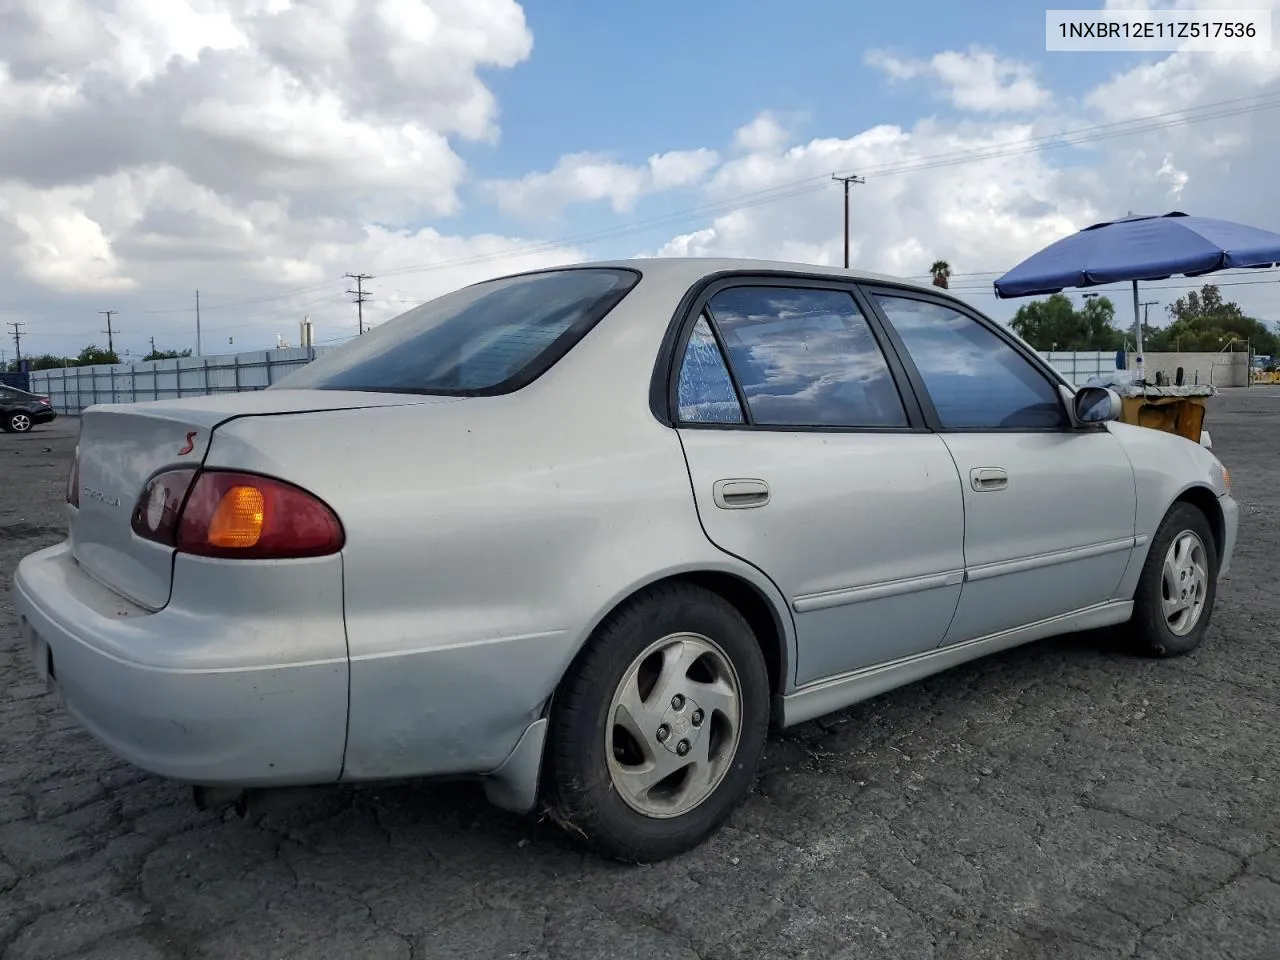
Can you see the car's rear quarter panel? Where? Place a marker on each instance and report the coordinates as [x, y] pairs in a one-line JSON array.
[[485, 540]]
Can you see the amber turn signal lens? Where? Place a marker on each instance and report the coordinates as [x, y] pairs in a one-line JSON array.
[[238, 521], [248, 516]]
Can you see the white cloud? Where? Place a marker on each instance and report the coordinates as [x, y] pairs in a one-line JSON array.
[[967, 215], [155, 146], [761, 135], [331, 98], [919, 204], [975, 79], [594, 177]]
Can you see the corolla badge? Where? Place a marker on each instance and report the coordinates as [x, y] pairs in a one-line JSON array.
[[101, 497], [189, 445]]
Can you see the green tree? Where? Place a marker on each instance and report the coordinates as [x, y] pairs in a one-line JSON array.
[[93, 355], [47, 361], [1204, 321], [1055, 324], [167, 354]]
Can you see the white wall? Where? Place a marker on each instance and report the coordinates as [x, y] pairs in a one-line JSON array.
[[71, 389], [1220, 369]]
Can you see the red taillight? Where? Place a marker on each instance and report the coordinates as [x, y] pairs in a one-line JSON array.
[[228, 514], [73, 479], [43, 400]]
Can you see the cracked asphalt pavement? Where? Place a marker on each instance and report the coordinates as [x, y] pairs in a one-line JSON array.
[[1060, 801]]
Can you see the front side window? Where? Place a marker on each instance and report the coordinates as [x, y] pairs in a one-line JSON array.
[[806, 357], [473, 340], [705, 391], [976, 380]]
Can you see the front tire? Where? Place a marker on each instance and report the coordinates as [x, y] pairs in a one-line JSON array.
[[1176, 592], [658, 728]]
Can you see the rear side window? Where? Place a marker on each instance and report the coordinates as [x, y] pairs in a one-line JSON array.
[[806, 357], [705, 390], [975, 379], [489, 338]]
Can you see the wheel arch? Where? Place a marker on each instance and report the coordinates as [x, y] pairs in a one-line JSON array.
[[761, 615], [759, 603], [518, 783], [1206, 501]]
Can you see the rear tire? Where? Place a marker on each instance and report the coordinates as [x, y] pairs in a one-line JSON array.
[[19, 423], [658, 728], [1179, 584]]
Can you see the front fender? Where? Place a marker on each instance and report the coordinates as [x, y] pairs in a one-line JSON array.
[[1166, 468]]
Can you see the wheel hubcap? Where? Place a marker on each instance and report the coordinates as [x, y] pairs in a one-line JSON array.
[[1184, 583], [674, 726], [21, 423]]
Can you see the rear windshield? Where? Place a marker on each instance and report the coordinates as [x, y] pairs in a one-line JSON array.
[[489, 338]]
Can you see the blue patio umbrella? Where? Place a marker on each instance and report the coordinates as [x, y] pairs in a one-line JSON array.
[[1136, 248]]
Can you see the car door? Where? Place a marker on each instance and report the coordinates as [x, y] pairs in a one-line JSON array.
[[807, 461], [1049, 508]]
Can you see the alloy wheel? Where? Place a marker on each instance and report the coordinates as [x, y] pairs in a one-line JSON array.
[[673, 725]]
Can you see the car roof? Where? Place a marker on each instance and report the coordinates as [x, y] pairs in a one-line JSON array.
[[686, 270]]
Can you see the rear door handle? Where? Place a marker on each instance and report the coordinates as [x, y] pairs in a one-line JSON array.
[[984, 479], [740, 494]]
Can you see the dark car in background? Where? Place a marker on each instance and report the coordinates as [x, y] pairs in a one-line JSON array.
[[20, 410]]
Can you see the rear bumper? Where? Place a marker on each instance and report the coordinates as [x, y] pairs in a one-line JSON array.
[[44, 416], [172, 693]]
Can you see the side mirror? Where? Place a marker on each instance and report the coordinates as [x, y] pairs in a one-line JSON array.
[[1097, 405]]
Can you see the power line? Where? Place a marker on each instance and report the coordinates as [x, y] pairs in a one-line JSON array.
[[1160, 121], [974, 274], [1193, 284], [805, 185], [1064, 138], [111, 348], [810, 184], [846, 181], [361, 296]]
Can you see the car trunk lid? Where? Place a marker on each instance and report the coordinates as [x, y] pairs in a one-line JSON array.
[[122, 446]]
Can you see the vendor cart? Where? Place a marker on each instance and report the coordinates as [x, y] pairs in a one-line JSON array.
[[1173, 409]]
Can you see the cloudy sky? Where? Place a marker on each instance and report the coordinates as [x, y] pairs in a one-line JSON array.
[[258, 150]]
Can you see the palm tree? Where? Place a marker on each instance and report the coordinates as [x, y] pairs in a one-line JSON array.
[[941, 271]]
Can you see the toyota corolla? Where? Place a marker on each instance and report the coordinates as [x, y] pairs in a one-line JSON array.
[[585, 533]]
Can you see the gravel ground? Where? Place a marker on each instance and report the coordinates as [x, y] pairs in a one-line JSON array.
[[1059, 801]]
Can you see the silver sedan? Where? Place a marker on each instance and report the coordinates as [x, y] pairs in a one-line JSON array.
[[584, 533]]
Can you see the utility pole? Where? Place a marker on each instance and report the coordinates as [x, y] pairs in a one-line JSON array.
[[153, 344], [111, 348], [197, 325], [361, 295], [1146, 311], [846, 181], [16, 326]]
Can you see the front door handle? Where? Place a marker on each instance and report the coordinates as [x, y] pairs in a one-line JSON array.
[[740, 494], [984, 479]]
